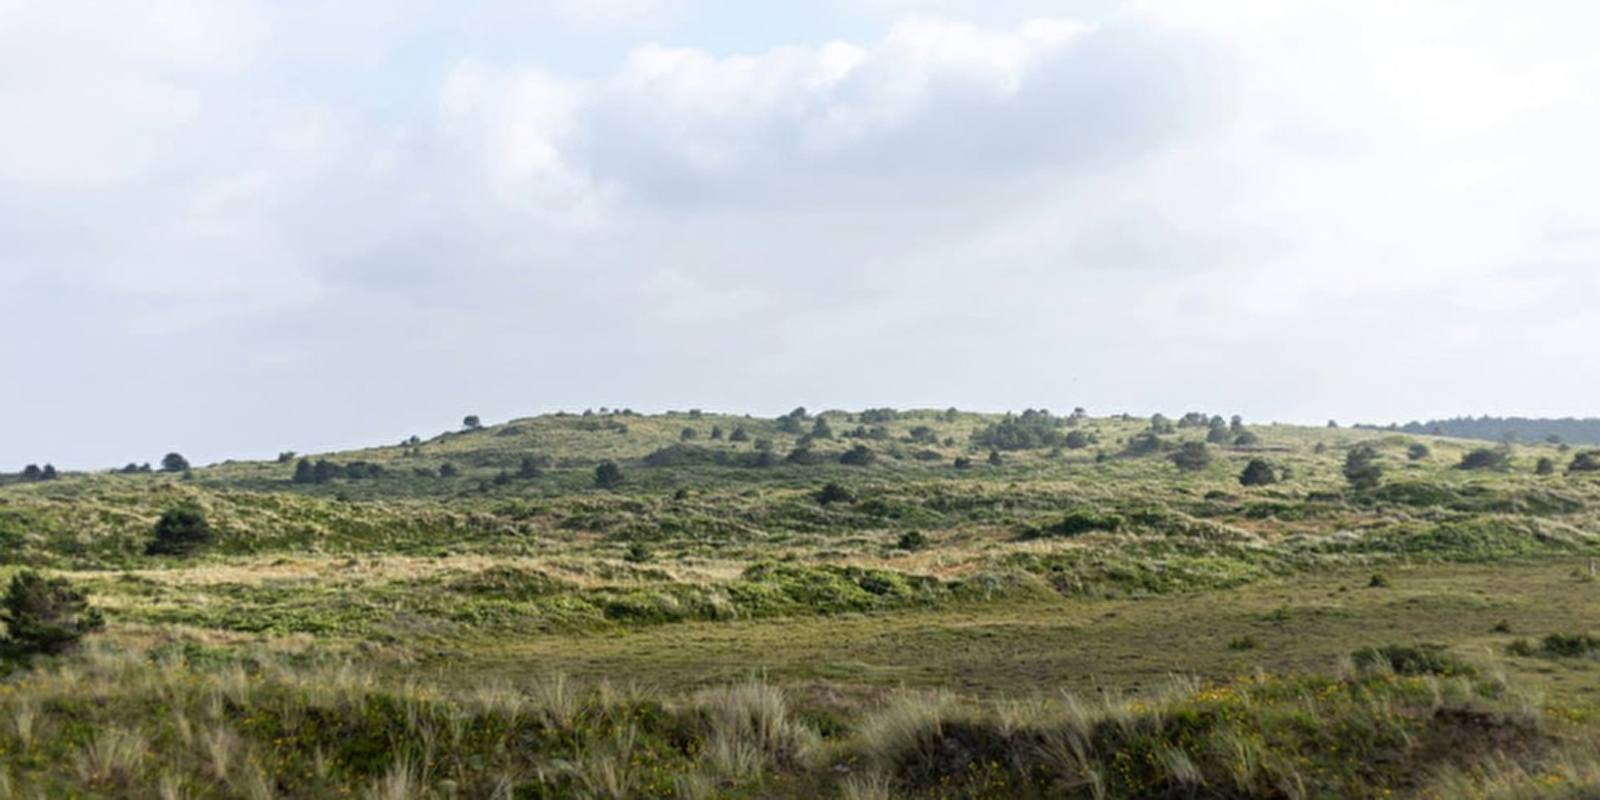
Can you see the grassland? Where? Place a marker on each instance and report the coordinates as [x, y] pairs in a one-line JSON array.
[[1070, 621]]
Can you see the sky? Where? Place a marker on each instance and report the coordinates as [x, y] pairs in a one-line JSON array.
[[237, 227]]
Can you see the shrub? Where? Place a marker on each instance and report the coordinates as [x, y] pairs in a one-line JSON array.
[[1078, 522], [962, 462], [1420, 659], [1218, 434], [1246, 439], [181, 530], [1032, 429], [995, 459], [1159, 424], [303, 471], [1378, 581], [1585, 462], [1545, 466], [1557, 645], [1144, 444], [448, 470], [1485, 458], [821, 430], [471, 422], [32, 473], [834, 493], [1077, 439], [1258, 473], [1361, 467], [716, 433], [608, 475], [529, 468], [803, 456], [1244, 643], [48, 473], [739, 434], [688, 434], [858, 456], [638, 553], [172, 462], [1192, 456], [46, 615], [912, 540], [1418, 451]]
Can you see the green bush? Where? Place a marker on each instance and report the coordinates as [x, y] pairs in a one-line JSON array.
[[1419, 659], [46, 615], [182, 530]]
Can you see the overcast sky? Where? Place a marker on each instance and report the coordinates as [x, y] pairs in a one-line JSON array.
[[230, 228]]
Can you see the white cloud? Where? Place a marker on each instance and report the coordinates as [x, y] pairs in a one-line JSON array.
[[1291, 210]]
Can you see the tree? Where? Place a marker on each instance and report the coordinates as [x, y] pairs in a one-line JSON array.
[[303, 472], [1160, 424], [48, 473], [1192, 456], [1218, 434], [1546, 466], [285, 456], [821, 430], [1258, 473], [1418, 451], [172, 462], [471, 422], [858, 456], [1485, 458], [1246, 438], [32, 473], [608, 475], [181, 530], [1077, 440], [1361, 467], [46, 615], [324, 471], [834, 493]]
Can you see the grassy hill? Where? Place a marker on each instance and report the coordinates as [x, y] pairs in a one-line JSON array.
[[481, 586]]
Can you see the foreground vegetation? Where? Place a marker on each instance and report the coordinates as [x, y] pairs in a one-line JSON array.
[[867, 604]]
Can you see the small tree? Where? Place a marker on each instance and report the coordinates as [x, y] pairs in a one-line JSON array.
[[1418, 451], [471, 422], [1192, 457], [448, 470], [1361, 467], [32, 473], [739, 434], [182, 530], [716, 432], [46, 615], [858, 456], [48, 473], [1077, 440], [1485, 458], [608, 475], [834, 493], [821, 429], [303, 471], [172, 462], [1546, 466], [1258, 473]]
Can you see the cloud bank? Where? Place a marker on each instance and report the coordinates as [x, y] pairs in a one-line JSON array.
[[233, 227]]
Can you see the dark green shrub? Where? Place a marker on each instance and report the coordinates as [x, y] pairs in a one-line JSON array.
[[1032, 429], [1418, 451], [1485, 458], [471, 422], [834, 493], [912, 540], [1361, 467], [962, 462], [858, 456], [1545, 466], [739, 434], [181, 530], [1585, 462], [639, 553], [172, 462], [608, 475], [1192, 457], [448, 470], [1378, 581], [1078, 522], [995, 459], [46, 615], [1258, 473]]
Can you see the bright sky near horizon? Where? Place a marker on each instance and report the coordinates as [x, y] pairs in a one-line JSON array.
[[231, 228]]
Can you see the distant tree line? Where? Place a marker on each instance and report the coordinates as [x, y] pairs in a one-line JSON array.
[[1497, 429]]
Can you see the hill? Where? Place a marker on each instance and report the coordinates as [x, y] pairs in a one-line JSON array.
[[859, 604]]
